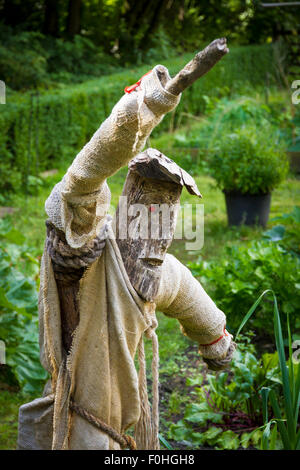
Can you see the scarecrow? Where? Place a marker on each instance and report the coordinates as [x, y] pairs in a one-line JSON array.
[[100, 284]]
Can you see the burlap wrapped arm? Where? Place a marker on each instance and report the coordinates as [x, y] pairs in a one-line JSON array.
[[78, 204], [182, 297]]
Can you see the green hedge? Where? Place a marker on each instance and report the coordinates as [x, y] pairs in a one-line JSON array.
[[39, 132]]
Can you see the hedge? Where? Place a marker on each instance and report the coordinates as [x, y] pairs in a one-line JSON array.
[[39, 131]]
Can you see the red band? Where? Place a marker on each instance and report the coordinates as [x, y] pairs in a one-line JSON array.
[[130, 88], [214, 342]]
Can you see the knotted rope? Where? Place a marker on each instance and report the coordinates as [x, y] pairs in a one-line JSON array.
[[220, 364], [70, 263], [125, 441]]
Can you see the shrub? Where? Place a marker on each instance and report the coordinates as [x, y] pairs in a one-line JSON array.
[[18, 310], [285, 402], [227, 408], [287, 233], [243, 272], [248, 161]]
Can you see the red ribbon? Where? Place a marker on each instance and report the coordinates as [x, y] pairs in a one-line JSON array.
[[214, 342], [130, 88]]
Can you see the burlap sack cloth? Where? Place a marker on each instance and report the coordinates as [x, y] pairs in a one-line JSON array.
[[99, 372]]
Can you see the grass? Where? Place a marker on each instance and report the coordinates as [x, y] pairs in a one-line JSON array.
[[9, 408]]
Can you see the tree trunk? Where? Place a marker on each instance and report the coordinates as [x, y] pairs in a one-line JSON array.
[[51, 18], [74, 17]]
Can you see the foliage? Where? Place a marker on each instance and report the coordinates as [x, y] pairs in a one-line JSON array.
[[287, 233], [226, 408], [18, 309], [243, 271], [225, 116], [293, 131], [33, 60], [285, 414], [9, 409], [125, 27], [248, 161], [38, 130]]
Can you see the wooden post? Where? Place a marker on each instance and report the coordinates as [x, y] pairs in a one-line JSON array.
[[153, 186]]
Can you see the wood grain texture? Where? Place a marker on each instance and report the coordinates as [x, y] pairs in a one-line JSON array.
[[198, 66]]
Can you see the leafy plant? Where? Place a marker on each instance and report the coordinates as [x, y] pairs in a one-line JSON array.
[[226, 408], [248, 161], [285, 403], [234, 280], [18, 310], [287, 233]]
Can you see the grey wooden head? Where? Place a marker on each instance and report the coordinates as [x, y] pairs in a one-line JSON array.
[[145, 231]]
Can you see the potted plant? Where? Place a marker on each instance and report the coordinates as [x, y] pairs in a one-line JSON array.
[[247, 165]]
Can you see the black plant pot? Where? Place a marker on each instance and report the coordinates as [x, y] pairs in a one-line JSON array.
[[248, 209]]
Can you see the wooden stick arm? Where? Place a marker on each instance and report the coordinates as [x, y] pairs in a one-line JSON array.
[[198, 66]]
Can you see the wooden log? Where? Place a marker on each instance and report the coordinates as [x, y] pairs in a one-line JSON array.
[[155, 182], [143, 257], [198, 66]]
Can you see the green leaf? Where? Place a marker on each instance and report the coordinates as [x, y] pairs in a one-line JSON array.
[[228, 440]]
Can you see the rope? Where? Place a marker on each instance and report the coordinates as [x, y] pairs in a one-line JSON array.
[[143, 425], [124, 440], [69, 263], [219, 364], [146, 430], [151, 334]]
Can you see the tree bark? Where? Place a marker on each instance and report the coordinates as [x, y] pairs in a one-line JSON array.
[[198, 66]]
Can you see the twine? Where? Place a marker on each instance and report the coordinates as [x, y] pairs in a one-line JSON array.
[[69, 263], [219, 364], [124, 440]]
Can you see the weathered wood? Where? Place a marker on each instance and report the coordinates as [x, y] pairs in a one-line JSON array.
[[198, 66], [143, 257], [155, 182], [69, 310], [153, 164]]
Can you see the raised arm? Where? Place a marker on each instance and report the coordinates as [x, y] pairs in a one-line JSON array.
[[78, 203]]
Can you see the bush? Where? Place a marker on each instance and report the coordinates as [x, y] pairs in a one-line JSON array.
[[223, 117], [243, 273], [18, 311], [30, 60], [227, 409], [249, 161], [287, 233]]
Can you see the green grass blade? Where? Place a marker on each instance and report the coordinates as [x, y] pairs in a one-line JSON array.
[[251, 311], [285, 375], [165, 442], [297, 394], [281, 426], [291, 365], [273, 437], [264, 395]]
